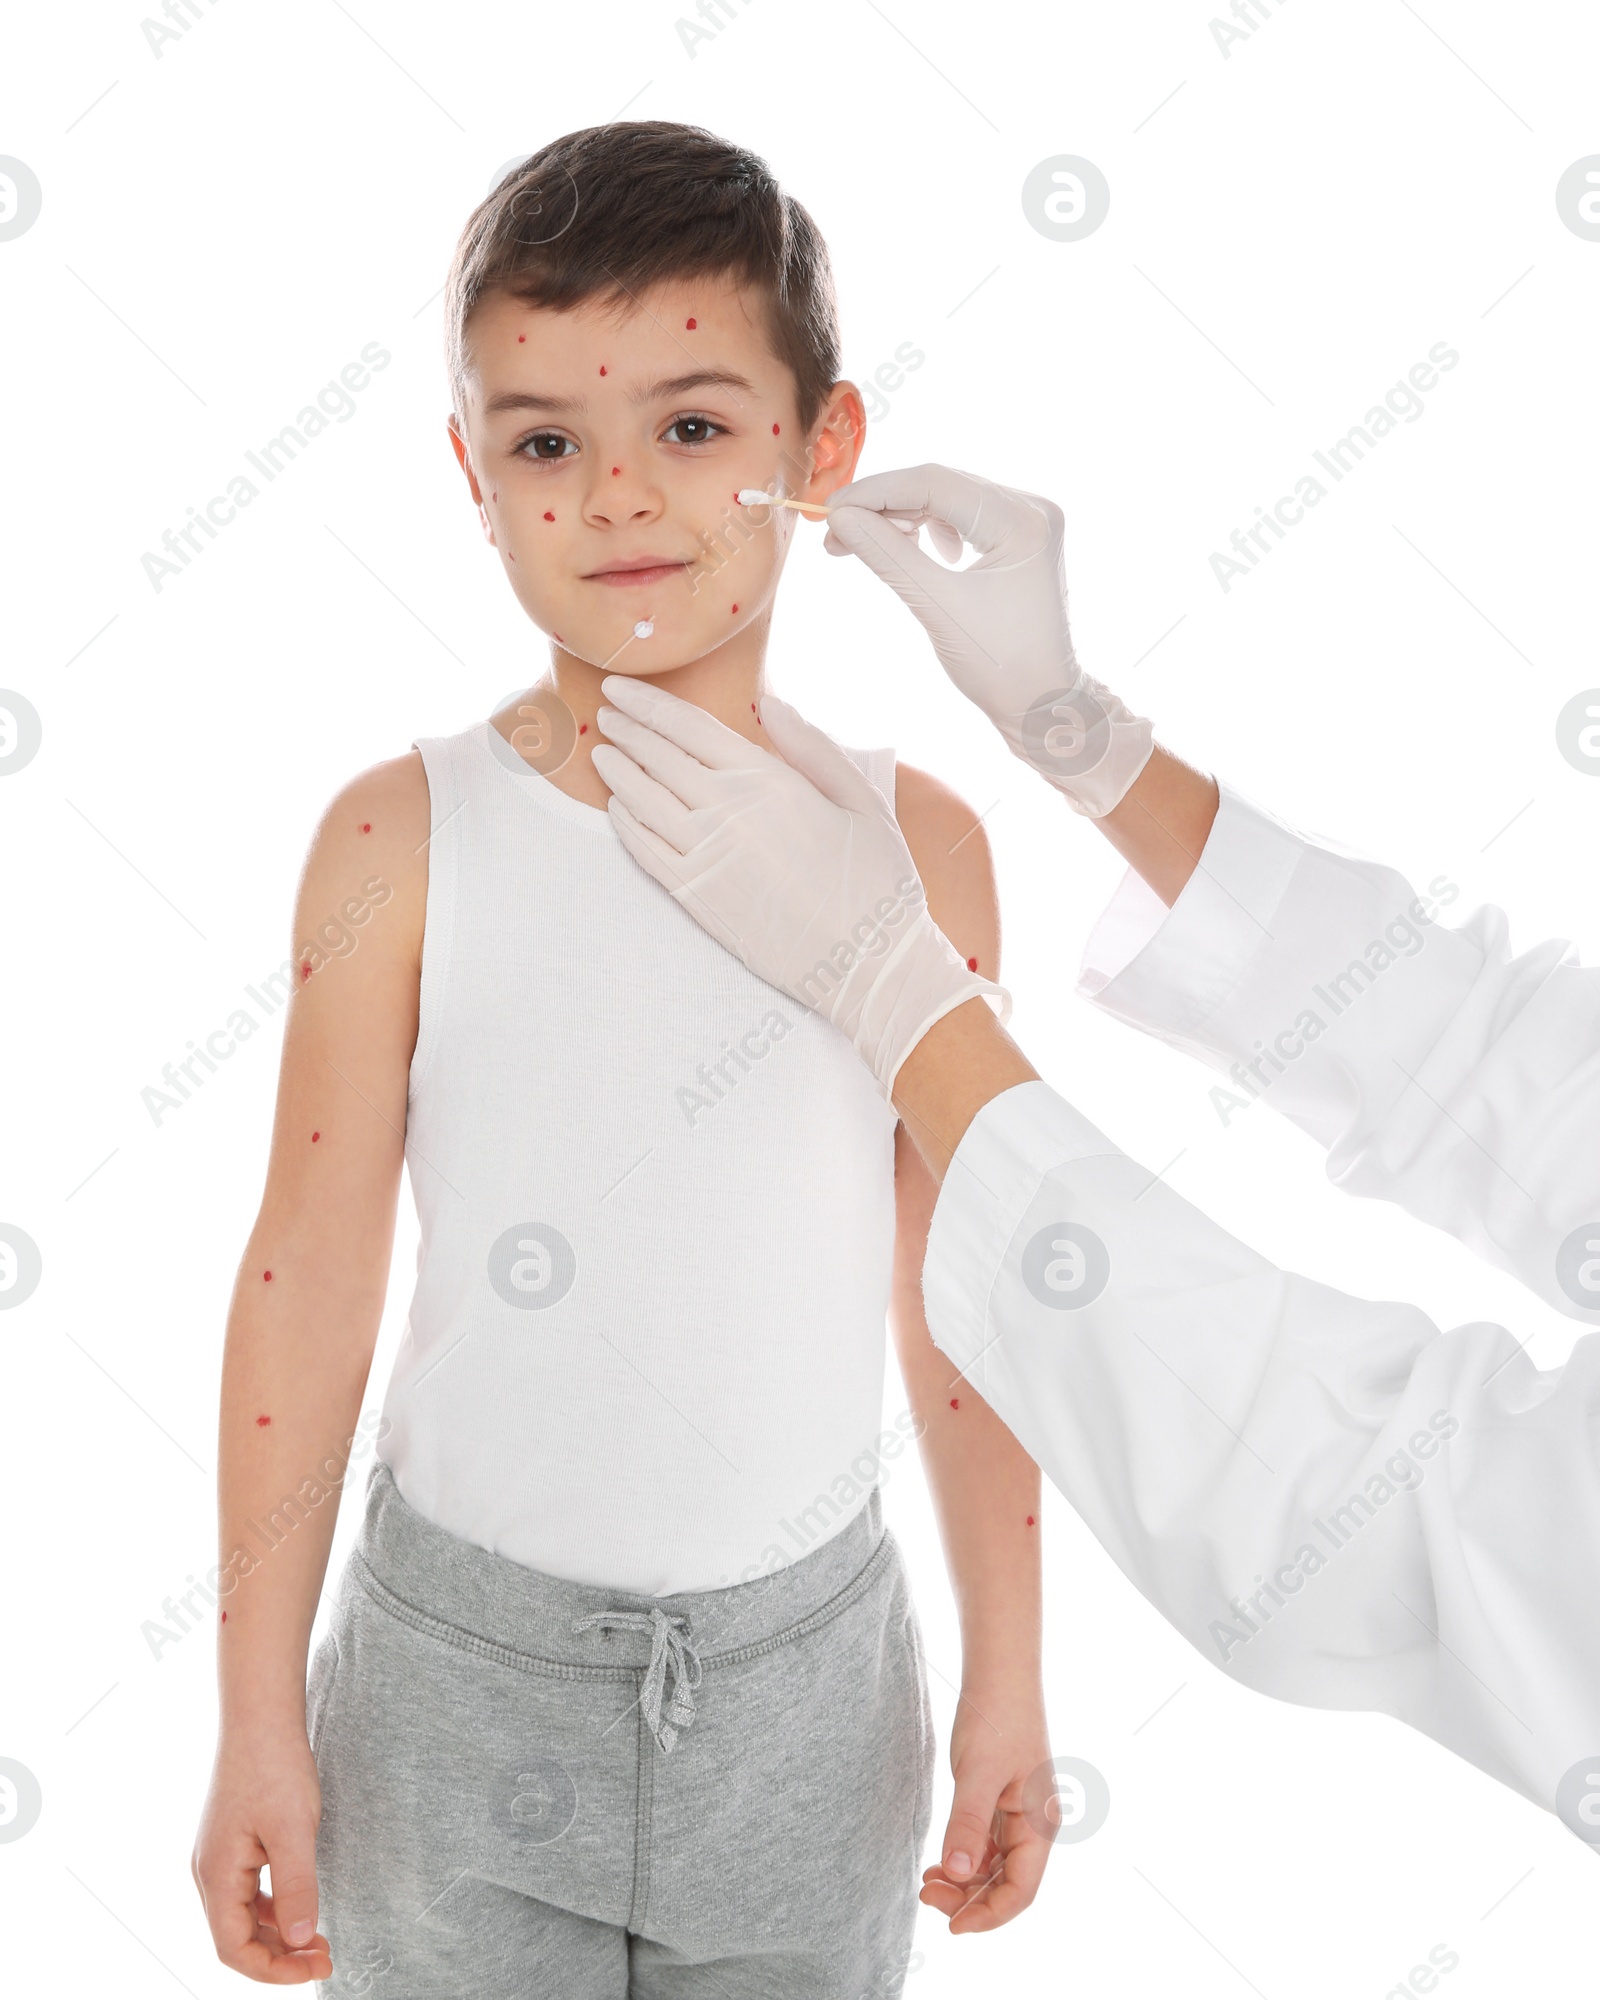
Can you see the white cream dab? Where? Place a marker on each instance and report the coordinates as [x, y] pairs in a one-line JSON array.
[[644, 628]]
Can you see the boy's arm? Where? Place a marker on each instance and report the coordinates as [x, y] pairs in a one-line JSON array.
[[299, 1349], [985, 1487]]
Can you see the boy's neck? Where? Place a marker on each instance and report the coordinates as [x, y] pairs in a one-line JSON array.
[[727, 684]]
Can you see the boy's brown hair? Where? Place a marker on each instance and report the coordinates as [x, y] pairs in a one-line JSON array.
[[606, 212]]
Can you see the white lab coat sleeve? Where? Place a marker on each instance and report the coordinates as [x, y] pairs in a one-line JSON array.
[[1334, 1501], [1439, 1071]]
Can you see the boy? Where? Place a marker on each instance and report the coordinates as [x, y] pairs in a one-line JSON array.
[[624, 1691]]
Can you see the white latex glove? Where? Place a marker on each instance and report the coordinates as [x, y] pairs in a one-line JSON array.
[[999, 626], [794, 862]]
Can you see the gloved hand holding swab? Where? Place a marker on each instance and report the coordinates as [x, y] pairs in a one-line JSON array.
[[756, 496]]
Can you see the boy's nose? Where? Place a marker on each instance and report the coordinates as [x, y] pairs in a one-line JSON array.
[[623, 495]]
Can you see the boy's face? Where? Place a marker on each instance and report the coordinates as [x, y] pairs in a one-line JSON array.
[[594, 444]]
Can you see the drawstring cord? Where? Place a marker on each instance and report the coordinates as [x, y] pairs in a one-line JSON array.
[[668, 1645]]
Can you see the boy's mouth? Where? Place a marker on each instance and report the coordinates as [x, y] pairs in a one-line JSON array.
[[643, 570]]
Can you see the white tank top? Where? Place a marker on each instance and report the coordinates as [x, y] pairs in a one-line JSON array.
[[646, 1345]]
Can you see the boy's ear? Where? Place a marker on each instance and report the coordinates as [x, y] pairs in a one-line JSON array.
[[458, 445], [837, 445]]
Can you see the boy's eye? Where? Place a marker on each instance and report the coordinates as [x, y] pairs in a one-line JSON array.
[[546, 444], [700, 427]]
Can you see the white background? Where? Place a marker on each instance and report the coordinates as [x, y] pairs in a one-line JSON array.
[[1292, 226]]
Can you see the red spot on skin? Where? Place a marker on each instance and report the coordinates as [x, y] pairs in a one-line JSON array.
[[494, 496], [955, 1402], [583, 728], [774, 430], [558, 638], [266, 1277], [616, 468], [305, 974], [972, 965], [690, 324], [522, 336], [509, 556], [315, 1137], [366, 826], [263, 1421], [736, 607], [548, 515], [1030, 1520], [224, 1617], [752, 708], [602, 368]]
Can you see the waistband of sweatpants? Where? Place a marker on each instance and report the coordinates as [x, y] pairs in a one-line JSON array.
[[432, 1578]]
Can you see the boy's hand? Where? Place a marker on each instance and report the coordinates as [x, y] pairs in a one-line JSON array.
[[264, 1806], [995, 1850], [999, 626]]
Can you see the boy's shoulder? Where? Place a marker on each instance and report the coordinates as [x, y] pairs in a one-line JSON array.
[[383, 805], [939, 824], [371, 845], [951, 849]]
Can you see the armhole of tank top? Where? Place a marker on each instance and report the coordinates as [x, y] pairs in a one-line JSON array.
[[879, 766], [444, 840]]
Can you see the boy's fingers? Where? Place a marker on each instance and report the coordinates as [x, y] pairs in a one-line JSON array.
[[229, 1898], [653, 805], [968, 1836], [293, 1859], [1003, 1889], [1025, 1865], [691, 728], [245, 1934], [271, 1962], [943, 1896]]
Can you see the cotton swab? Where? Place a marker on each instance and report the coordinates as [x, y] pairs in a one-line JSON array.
[[754, 496]]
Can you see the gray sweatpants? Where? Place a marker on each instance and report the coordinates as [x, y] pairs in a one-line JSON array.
[[532, 1787]]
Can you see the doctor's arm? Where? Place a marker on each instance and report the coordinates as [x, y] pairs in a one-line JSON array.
[[1334, 1501], [1338, 1503], [1438, 1070]]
